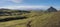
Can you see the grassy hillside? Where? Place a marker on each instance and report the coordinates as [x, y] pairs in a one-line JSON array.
[[7, 12], [34, 19]]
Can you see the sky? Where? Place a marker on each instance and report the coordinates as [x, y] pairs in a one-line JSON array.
[[29, 4]]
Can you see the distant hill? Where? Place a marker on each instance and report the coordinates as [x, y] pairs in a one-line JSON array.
[[12, 12]]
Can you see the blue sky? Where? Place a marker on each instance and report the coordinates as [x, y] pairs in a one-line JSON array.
[[42, 4]]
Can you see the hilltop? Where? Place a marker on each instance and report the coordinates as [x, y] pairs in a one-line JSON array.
[[29, 18], [35, 19]]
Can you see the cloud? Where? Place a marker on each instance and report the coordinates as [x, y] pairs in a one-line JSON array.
[[2, 1], [16, 1], [26, 7]]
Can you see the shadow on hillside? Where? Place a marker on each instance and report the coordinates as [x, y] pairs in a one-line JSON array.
[[9, 19]]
